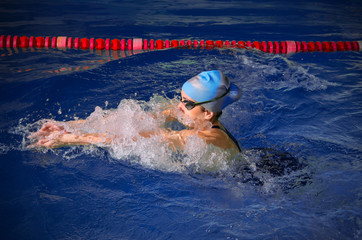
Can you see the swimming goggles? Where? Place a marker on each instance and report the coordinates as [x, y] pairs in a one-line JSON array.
[[190, 105]]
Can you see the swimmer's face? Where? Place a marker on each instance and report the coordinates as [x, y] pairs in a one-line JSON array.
[[198, 113]]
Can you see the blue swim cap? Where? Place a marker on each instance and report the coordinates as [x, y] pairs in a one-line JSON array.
[[210, 85]]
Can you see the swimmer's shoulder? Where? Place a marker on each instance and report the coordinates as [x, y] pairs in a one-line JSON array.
[[218, 138]]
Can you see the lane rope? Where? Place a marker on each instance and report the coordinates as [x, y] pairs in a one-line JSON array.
[[139, 44]]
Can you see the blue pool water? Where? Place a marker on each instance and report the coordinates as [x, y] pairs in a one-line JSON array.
[[298, 121]]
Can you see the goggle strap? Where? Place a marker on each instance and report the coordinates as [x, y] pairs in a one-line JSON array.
[[212, 100]]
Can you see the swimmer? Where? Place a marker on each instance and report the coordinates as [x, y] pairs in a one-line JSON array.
[[202, 99]]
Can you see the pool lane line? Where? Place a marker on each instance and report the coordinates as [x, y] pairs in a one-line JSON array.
[[139, 44]]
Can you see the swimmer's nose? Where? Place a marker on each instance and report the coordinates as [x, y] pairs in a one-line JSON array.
[[180, 106]]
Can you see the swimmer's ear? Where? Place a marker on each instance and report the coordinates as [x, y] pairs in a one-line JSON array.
[[208, 115]]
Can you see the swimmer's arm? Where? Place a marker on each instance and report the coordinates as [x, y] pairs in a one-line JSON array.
[[169, 113], [176, 139], [75, 123], [86, 139], [71, 139]]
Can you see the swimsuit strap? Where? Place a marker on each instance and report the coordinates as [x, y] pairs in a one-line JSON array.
[[229, 134]]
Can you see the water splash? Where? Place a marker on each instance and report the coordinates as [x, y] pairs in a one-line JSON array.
[[270, 171], [124, 124]]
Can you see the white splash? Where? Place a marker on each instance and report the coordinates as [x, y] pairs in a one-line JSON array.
[[125, 123]]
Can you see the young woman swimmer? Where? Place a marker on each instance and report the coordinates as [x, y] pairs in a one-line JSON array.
[[202, 99]]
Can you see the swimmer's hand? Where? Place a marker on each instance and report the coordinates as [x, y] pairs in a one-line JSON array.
[[53, 140], [48, 128]]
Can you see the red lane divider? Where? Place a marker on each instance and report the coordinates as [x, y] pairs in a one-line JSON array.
[[77, 43], [138, 44]]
